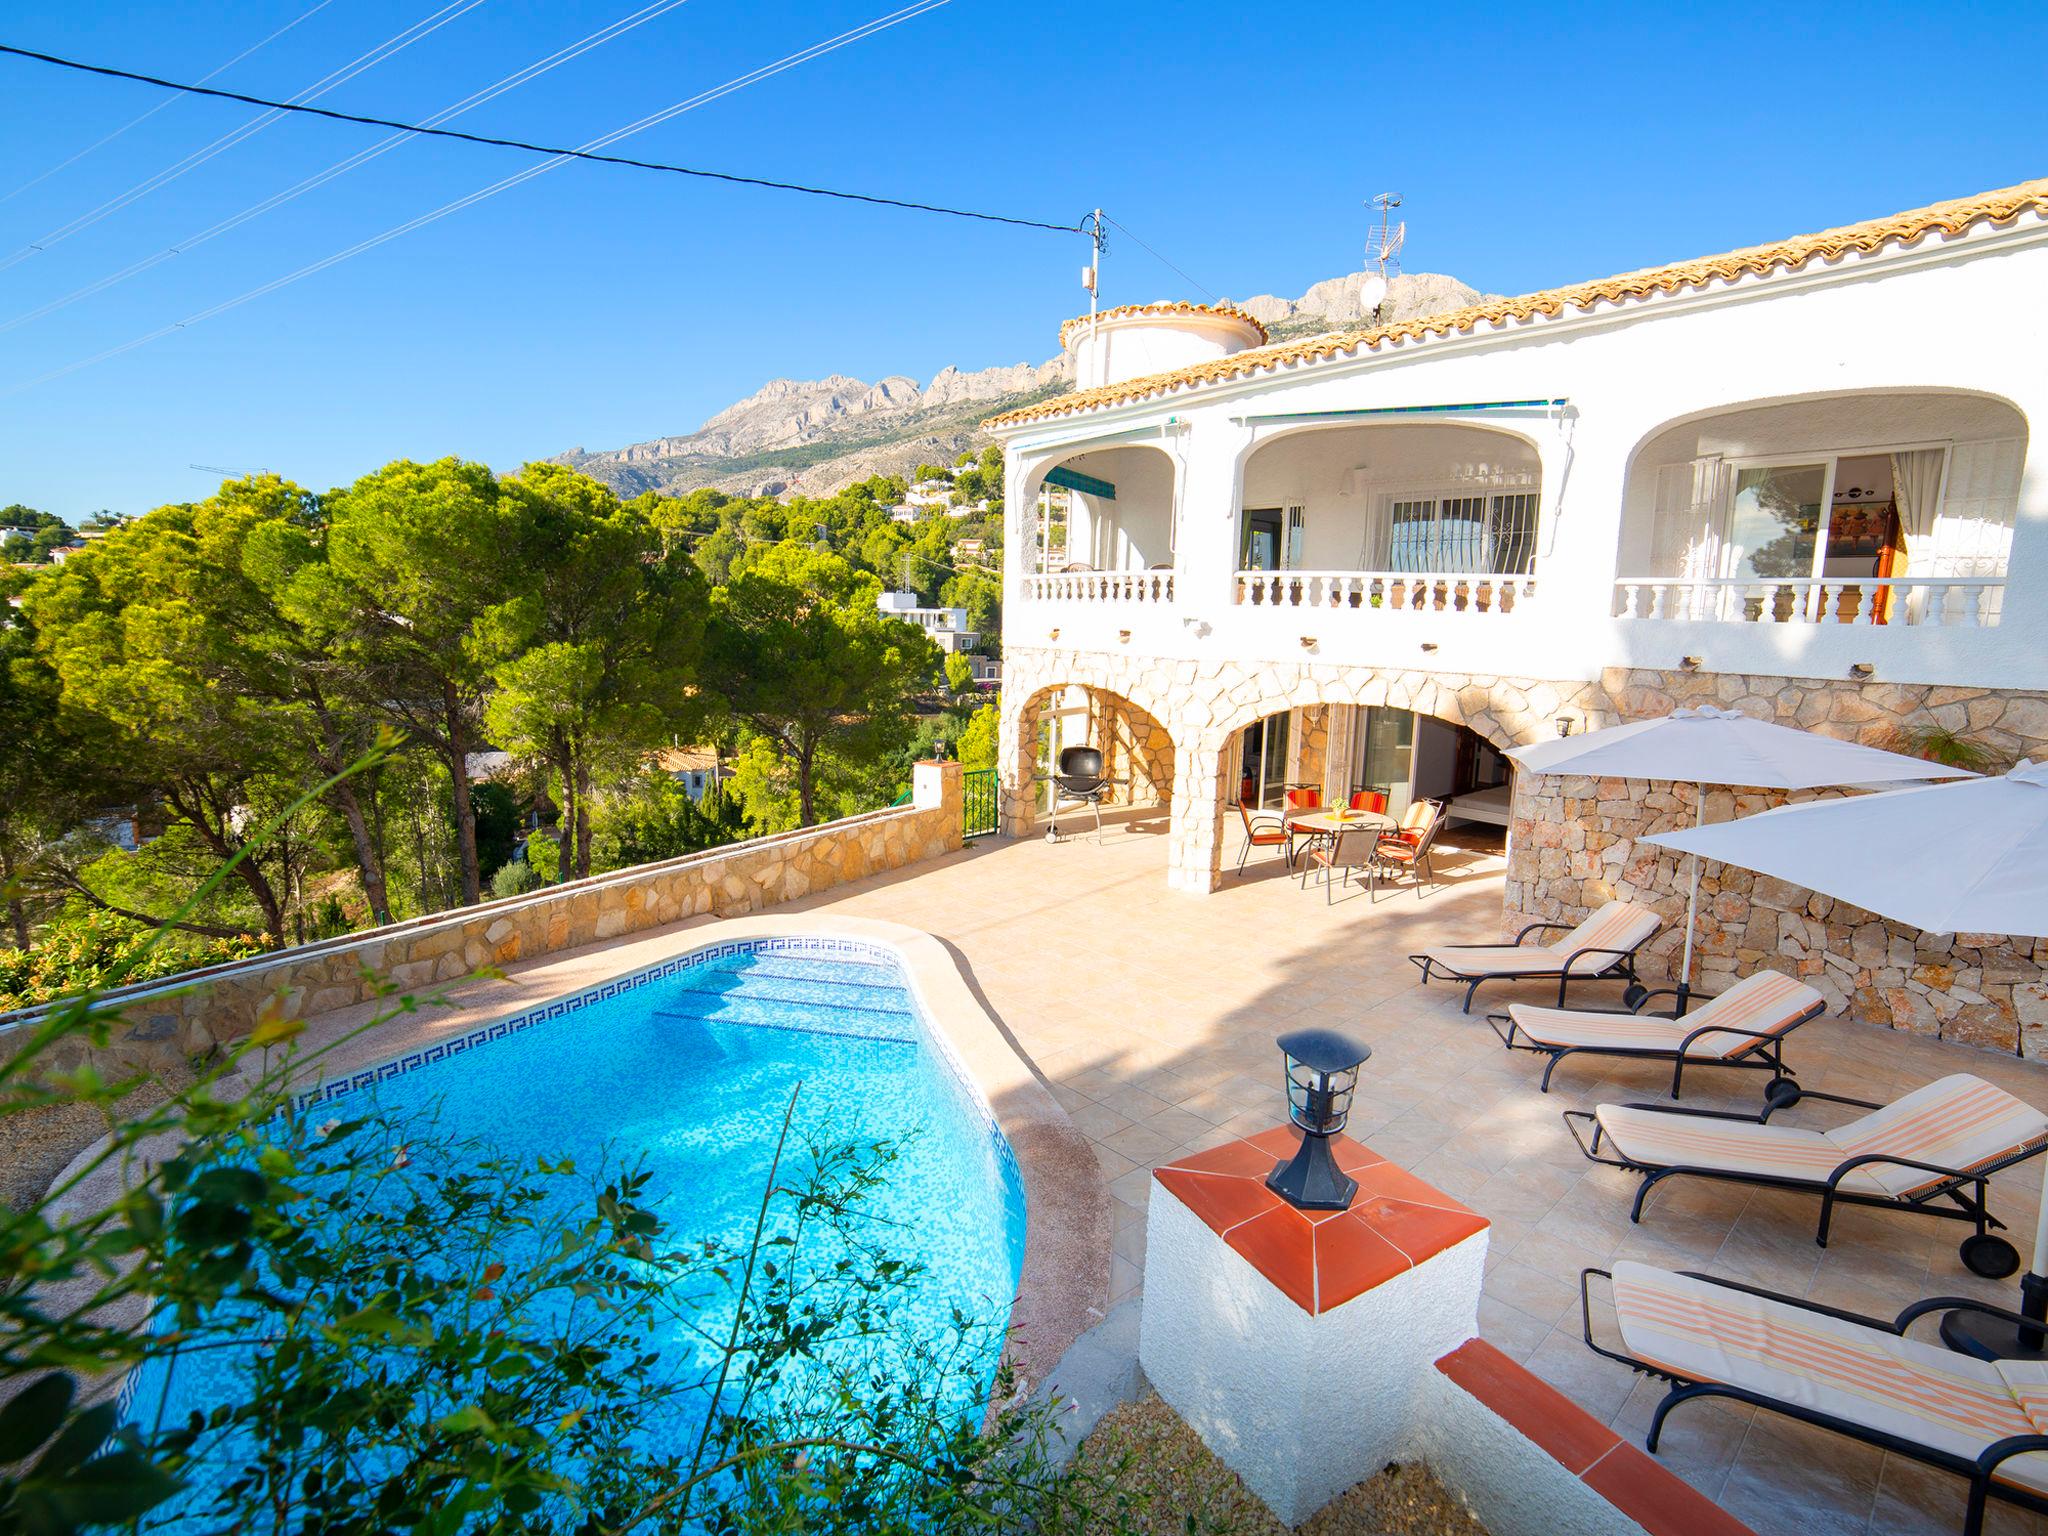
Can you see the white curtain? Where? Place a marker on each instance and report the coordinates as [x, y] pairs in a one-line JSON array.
[[1709, 499], [1685, 531], [1372, 553], [1916, 488]]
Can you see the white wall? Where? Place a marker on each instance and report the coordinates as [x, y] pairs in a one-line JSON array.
[[1962, 315]]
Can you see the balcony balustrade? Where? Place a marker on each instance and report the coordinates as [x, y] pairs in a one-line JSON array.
[[1393, 591], [1102, 587], [1968, 602]]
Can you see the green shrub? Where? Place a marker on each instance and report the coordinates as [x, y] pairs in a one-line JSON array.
[[515, 878], [87, 949]]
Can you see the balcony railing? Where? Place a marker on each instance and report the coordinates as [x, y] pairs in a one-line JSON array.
[[1968, 602], [1399, 591], [1102, 587]]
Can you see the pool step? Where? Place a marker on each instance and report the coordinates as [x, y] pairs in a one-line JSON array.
[[892, 1025], [796, 992], [825, 972]]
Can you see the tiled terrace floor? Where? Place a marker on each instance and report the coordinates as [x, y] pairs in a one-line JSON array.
[[1152, 1014]]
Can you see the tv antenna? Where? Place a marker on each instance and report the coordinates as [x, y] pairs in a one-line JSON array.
[[1385, 249]]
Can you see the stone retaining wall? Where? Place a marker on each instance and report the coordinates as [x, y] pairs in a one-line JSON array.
[[194, 1013]]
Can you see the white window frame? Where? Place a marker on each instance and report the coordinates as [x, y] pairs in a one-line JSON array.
[[1832, 458], [1436, 496]]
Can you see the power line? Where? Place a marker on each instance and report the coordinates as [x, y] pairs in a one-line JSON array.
[[361, 157], [1165, 263], [558, 152], [390, 47], [702, 98], [137, 121]]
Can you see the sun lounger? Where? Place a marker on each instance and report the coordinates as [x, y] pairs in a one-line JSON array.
[[1932, 1151], [1985, 1421], [1603, 947], [1745, 1026]]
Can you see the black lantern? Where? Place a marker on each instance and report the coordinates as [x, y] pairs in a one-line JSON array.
[[1322, 1071]]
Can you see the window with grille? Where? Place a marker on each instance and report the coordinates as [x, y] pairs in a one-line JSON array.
[[1464, 535]]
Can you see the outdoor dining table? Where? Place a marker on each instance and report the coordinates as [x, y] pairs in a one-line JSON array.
[[1324, 825]]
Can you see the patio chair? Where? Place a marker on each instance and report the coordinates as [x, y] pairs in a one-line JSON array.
[[1408, 846], [1080, 782], [1601, 948], [1348, 850], [1745, 1026], [1374, 800], [1300, 800], [1263, 829], [1863, 1377], [1932, 1151]]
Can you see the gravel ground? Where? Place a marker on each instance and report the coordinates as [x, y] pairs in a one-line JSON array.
[[36, 1143], [1183, 1490]]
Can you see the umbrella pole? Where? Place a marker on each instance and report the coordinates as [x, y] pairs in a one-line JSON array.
[[1692, 902]]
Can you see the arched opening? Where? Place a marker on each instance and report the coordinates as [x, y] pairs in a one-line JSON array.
[[1111, 510], [1358, 509], [1342, 750], [1891, 507], [1137, 755]]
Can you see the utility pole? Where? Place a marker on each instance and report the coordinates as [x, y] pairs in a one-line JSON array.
[[1091, 275]]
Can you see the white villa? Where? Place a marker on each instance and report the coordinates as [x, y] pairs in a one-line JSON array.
[[946, 626], [1799, 478]]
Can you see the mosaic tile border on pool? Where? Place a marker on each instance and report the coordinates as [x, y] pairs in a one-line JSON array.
[[812, 945]]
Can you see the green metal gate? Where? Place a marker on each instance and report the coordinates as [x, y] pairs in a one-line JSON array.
[[981, 804]]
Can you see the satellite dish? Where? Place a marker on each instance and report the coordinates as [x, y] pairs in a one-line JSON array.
[[1372, 293]]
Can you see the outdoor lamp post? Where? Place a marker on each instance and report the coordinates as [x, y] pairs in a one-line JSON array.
[[1322, 1071]]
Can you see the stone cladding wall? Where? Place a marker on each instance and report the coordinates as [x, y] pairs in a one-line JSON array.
[[163, 1021], [1574, 845]]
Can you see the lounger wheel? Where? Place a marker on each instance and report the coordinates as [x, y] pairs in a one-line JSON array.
[[1990, 1256], [1781, 1093], [1633, 994]]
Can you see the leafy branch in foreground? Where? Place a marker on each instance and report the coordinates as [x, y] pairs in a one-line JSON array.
[[358, 1324]]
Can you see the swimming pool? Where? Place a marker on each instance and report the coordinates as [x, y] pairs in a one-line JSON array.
[[687, 1068]]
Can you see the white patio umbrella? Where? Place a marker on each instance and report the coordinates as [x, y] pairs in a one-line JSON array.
[[1946, 858], [1706, 746]]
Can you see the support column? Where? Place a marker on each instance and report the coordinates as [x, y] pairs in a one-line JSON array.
[[1194, 859]]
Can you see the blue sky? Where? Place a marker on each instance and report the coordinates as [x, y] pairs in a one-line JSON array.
[[600, 306]]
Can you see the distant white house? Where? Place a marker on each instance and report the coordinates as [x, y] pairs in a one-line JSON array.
[[947, 626], [695, 768]]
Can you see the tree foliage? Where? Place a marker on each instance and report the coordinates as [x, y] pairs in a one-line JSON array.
[[191, 671], [800, 654]]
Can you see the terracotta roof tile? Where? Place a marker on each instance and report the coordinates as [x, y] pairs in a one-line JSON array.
[[1949, 218], [1164, 307]]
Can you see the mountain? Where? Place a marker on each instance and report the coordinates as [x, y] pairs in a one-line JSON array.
[[816, 436]]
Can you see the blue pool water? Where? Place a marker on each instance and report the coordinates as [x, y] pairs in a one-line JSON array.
[[688, 1071]]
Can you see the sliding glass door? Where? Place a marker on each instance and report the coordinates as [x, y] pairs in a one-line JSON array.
[[1262, 762]]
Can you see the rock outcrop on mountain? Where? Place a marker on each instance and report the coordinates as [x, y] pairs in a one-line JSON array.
[[815, 436]]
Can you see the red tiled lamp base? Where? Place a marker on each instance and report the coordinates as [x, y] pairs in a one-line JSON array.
[[1294, 1341]]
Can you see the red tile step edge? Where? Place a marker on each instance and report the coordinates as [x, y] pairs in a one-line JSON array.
[[1656, 1498]]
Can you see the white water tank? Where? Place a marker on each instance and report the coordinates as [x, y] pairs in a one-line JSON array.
[[1136, 339]]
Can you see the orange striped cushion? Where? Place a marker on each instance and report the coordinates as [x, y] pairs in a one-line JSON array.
[[1766, 1001], [1903, 1387], [1660, 1140], [1959, 1122], [1618, 925]]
